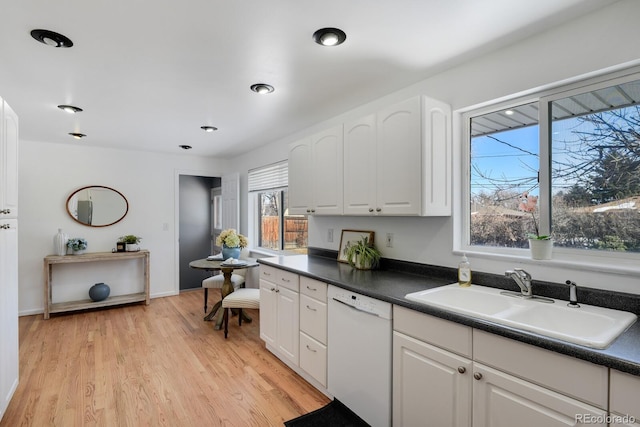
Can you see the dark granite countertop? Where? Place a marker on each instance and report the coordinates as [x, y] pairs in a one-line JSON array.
[[396, 279]]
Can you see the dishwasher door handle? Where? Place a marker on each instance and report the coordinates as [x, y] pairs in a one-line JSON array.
[[355, 308]]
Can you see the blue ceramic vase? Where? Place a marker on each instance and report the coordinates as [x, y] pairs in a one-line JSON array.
[[230, 252], [99, 292]]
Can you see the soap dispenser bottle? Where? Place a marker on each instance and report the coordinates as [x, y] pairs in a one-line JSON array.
[[464, 272]]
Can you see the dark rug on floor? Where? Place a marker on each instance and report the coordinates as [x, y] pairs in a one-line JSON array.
[[334, 414]]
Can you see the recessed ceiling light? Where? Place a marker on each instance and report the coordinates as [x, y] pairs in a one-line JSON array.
[[51, 38], [185, 147], [208, 128], [329, 36], [509, 112], [70, 108], [77, 135], [262, 88]]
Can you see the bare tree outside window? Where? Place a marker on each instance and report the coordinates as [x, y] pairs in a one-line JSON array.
[[595, 172]]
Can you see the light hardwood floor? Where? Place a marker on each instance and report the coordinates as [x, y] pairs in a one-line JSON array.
[[156, 365]]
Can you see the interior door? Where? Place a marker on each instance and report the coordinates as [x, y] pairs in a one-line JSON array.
[[216, 218], [195, 227], [231, 201]]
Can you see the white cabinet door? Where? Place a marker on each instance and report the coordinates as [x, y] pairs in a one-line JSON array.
[[623, 399], [300, 178], [436, 158], [315, 174], [501, 400], [431, 386], [288, 332], [327, 171], [399, 158], [268, 312], [8, 161], [8, 311], [313, 358], [360, 167]]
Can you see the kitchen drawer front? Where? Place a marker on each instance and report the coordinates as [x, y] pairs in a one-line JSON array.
[[565, 374], [442, 333], [625, 392], [288, 280], [313, 358], [268, 273], [313, 318], [313, 288]]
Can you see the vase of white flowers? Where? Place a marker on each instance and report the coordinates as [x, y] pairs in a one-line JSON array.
[[78, 245], [232, 242]]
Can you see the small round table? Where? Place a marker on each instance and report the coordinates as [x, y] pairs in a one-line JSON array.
[[227, 286]]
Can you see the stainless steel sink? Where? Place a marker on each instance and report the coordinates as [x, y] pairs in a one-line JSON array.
[[591, 326]]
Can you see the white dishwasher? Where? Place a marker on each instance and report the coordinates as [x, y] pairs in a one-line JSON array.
[[359, 354]]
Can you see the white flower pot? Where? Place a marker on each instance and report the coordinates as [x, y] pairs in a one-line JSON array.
[[541, 249]]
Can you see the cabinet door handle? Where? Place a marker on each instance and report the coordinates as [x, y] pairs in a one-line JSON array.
[[5, 211], [370, 209], [462, 369], [285, 280], [264, 273], [310, 349], [311, 289], [378, 209], [272, 289], [477, 376], [311, 308], [5, 226]]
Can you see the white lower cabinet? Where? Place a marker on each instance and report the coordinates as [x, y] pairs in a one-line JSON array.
[[293, 322], [624, 398], [279, 313], [431, 386], [500, 399], [506, 383], [313, 328]]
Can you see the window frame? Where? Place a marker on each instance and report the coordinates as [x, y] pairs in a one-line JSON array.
[[587, 259]]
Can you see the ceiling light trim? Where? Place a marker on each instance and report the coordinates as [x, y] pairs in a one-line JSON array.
[[51, 38], [208, 128], [329, 36], [71, 109], [77, 135], [262, 88]]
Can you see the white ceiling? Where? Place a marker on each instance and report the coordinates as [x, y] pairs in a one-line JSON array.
[[149, 73]]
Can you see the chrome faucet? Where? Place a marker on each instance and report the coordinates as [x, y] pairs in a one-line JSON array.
[[523, 279]]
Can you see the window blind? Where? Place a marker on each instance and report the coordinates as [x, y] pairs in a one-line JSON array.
[[269, 177]]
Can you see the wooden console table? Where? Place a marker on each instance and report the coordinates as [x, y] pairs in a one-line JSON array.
[[50, 260]]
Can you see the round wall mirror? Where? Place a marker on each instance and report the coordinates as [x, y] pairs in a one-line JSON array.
[[97, 206]]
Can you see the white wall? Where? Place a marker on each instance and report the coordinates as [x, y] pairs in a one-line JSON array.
[[49, 173], [589, 45]]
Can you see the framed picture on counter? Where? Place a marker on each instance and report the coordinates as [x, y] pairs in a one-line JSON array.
[[352, 236]]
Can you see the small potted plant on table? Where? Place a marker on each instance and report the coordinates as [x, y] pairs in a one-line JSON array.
[[78, 245], [131, 242]]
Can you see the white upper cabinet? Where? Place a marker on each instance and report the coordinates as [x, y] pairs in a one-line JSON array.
[[315, 174], [398, 161], [360, 166], [8, 162]]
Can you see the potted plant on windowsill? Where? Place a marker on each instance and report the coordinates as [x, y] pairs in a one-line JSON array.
[[541, 245], [131, 242], [362, 254]]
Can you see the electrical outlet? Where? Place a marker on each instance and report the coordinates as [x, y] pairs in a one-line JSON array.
[[330, 235], [389, 240]]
